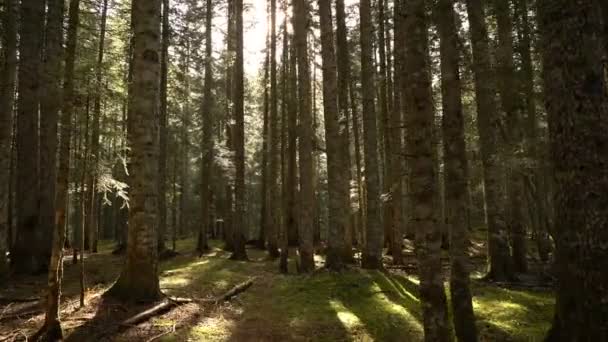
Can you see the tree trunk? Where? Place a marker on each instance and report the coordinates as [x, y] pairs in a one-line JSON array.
[[32, 247], [576, 100], [139, 278], [456, 173], [509, 98], [239, 253], [162, 128], [372, 253], [7, 98], [208, 121], [264, 208], [424, 186], [337, 146], [286, 161], [490, 132], [306, 199]]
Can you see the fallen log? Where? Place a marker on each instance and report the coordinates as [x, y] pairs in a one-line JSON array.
[[235, 291]]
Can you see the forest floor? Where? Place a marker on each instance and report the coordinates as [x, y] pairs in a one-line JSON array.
[[355, 305]]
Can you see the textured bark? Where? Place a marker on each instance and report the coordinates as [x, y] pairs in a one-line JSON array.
[[139, 278], [239, 253], [343, 67], [372, 253], [7, 98], [285, 148], [424, 185], [456, 173], [509, 98], [264, 207], [490, 130], [337, 146], [49, 218], [32, 247], [274, 141], [306, 135], [162, 128], [208, 122], [576, 100]]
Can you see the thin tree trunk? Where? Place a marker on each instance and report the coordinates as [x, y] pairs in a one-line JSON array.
[[576, 100], [372, 253], [208, 121], [456, 173], [306, 199], [7, 98], [163, 131], [139, 278], [264, 208]]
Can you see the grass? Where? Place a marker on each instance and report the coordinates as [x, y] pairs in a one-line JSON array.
[[355, 305]]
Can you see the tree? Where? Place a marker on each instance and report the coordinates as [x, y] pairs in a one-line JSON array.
[[274, 141], [306, 202], [506, 77], [576, 100], [372, 254], [456, 172], [139, 278], [207, 148], [490, 130], [239, 253], [7, 97], [162, 128], [337, 147], [32, 246]]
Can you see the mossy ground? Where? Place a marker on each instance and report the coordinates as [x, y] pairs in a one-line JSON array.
[[354, 305]]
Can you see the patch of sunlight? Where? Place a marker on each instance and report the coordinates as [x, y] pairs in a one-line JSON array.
[[211, 329], [161, 322], [350, 321], [413, 279], [221, 284], [175, 280]]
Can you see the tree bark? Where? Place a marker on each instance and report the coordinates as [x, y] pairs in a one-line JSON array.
[[576, 100], [32, 247], [306, 134], [162, 128], [7, 98], [456, 173], [239, 253], [490, 132], [139, 278], [208, 122], [372, 253]]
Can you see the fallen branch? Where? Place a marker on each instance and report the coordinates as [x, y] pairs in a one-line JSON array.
[[21, 314], [235, 291], [9, 300], [162, 307]]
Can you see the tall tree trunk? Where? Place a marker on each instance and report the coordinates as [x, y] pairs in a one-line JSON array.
[[32, 247], [490, 132], [456, 173], [264, 208], [7, 98], [372, 253], [230, 40], [306, 199], [343, 68], [139, 278], [336, 144], [50, 106], [93, 215], [208, 122], [286, 161], [239, 253], [162, 128], [509, 98], [274, 141], [576, 100], [424, 186]]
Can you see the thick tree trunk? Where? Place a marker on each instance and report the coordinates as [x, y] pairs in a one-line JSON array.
[[7, 98], [208, 122], [490, 132], [306, 202], [32, 247], [239, 253], [139, 278], [372, 253], [576, 100], [509, 98], [337, 146], [162, 128], [456, 173], [424, 186]]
